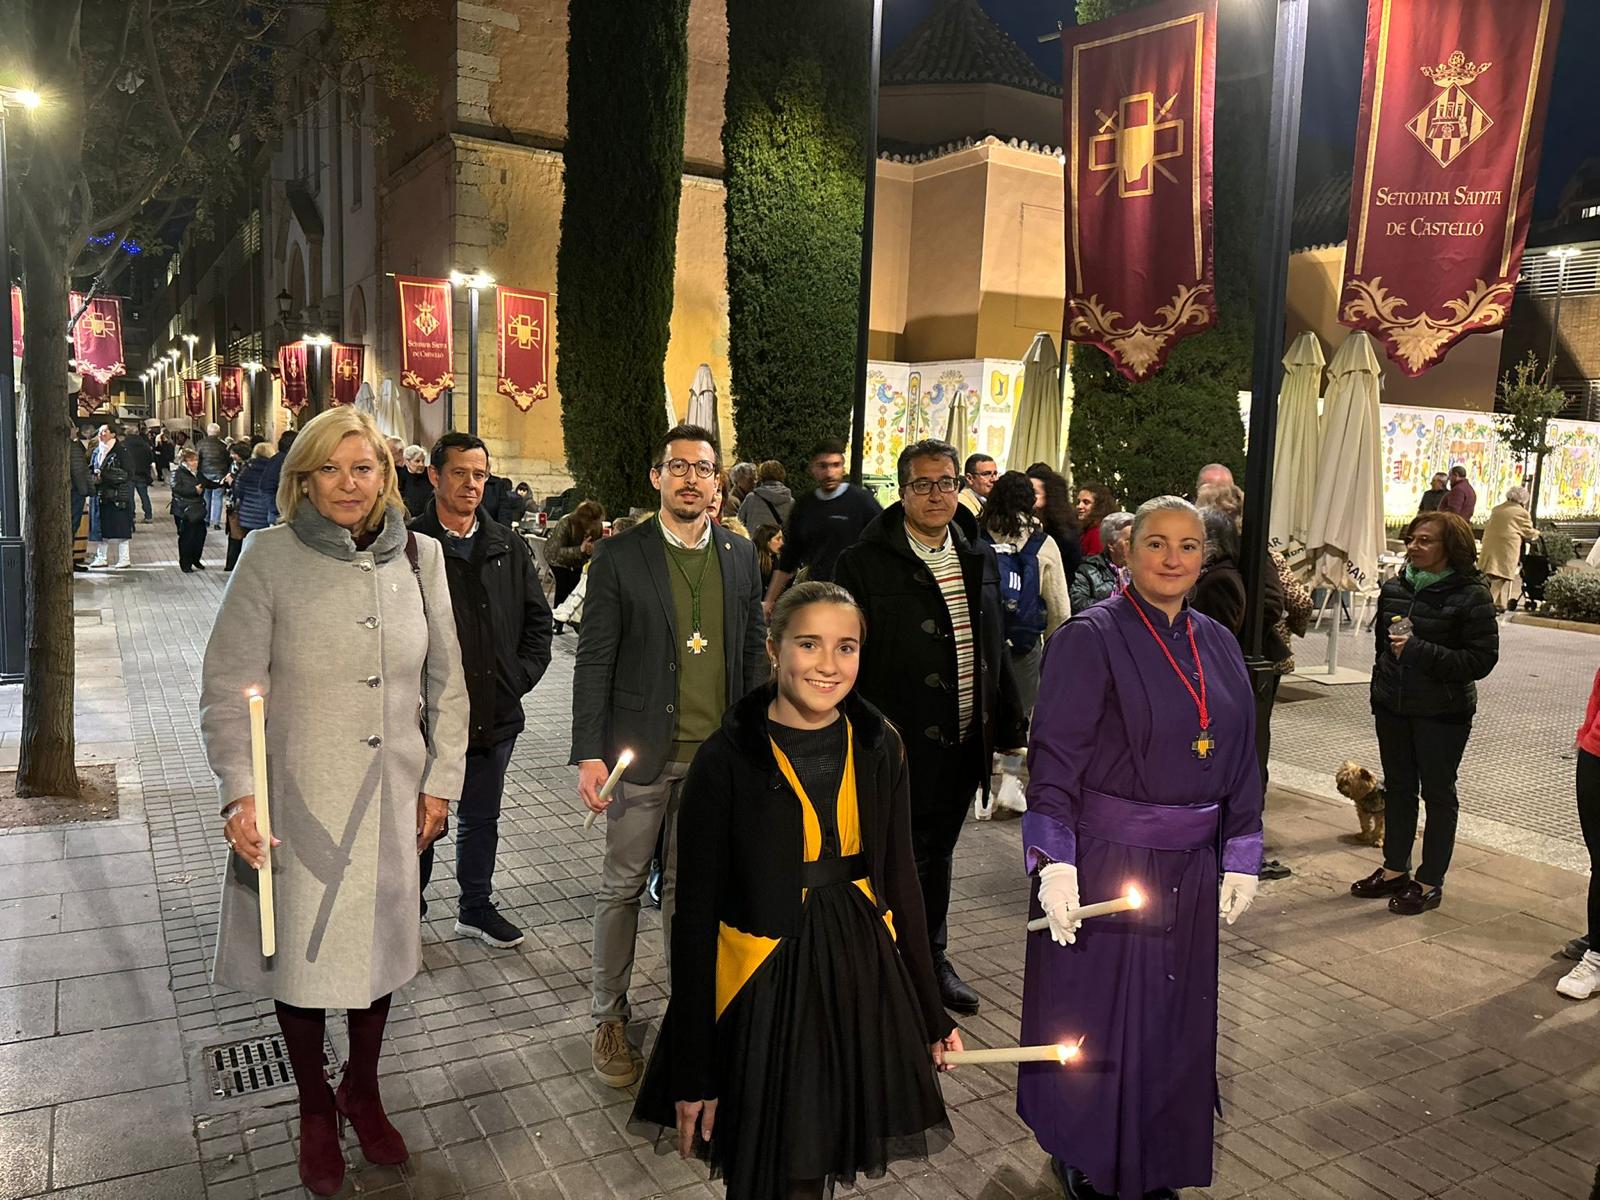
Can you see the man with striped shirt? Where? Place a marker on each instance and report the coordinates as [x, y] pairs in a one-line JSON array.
[[934, 662]]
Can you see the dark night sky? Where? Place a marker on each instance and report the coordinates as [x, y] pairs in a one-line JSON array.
[[1333, 72]]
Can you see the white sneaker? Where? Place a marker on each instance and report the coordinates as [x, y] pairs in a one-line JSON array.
[[1010, 796], [1583, 980], [99, 559], [980, 810]]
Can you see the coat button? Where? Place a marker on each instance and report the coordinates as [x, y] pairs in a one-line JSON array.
[[672, 666], [669, 708], [370, 622], [933, 680], [374, 741], [365, 566], [373, 681]]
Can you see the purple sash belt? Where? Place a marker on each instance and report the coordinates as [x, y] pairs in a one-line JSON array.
[[1149, 826]]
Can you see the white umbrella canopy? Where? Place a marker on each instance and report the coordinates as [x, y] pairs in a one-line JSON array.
[[1345, 533], [672, 409], [703, 401], [391, 418], [1036, 435], [1295, 461], [958, 425]]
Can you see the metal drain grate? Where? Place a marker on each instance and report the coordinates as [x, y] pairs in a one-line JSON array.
[[255, 1064]]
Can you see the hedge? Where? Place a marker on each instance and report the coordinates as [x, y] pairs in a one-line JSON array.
[[793, 138], [1151, 438], [1574, 595], [627, 79]]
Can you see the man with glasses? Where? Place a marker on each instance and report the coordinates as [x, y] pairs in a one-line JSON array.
[[821, 523], [935, 663], [672, 634], [981, 472]]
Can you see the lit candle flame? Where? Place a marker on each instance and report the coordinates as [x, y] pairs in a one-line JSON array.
[[1135, 897], [625, 757], [1068, 1051]]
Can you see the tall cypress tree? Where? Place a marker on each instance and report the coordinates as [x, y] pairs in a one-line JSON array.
[[794, 141], [627, 80], [1151, 438]]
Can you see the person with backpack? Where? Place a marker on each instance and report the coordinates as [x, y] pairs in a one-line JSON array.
[[1033, 604], [769, 502]]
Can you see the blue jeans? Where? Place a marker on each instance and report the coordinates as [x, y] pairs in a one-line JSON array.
[[94, 518], [141, 488], [214, 506]]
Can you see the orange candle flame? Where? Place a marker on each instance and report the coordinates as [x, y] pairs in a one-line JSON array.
[[1135, 897]]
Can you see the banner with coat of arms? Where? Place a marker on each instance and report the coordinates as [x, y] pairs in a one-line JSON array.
[[427, 346], [97, 337], [1137, 98], [347, 366], [292, 375], [524, 326], [194, 397], [231, 393], [1447, 152]]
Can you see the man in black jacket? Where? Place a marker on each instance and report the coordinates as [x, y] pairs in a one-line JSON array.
[[935, 663], [821, 523], [140, 456], [215, 464], [503, 625], [671, 636]]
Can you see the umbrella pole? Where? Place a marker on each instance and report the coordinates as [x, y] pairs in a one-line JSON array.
[[1333, 634]]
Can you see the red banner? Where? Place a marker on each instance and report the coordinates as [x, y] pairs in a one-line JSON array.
[[1447, 152], [426, 343], [231, 393], [16, 321], [97, 337], [194, 397], [292, 374], [523, 321], [347, 362], [1137, 101]]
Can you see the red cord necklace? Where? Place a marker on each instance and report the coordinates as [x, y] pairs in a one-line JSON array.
[[1204, 746]]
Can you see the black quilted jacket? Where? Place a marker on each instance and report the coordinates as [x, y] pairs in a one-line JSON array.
[[1454, 643]]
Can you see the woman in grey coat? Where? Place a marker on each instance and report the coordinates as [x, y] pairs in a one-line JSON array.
[[343, 621]]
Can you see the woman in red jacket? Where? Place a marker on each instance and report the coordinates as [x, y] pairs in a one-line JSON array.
[[1584, 979]]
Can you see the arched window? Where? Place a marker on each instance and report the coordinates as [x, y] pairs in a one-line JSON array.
[[355, 329]]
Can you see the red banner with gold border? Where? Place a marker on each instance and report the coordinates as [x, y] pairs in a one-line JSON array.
[[523, 321], [194, 397], [347, 366], [231, 393], [1447, 152], [91, 394], [97, 337], [427, 346], [16, 321], [292, 375], [1137, 100]]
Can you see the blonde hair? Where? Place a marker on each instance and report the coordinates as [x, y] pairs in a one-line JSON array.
[[314, 445]]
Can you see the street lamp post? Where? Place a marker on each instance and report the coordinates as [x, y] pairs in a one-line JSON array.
[[858, 405], [1563, 255], [473, 282], [13, 556]]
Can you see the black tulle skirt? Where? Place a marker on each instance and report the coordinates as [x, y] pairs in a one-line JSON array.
[[824, 1070]]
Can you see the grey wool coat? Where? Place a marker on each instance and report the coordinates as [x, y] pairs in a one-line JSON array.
[[337, 641]]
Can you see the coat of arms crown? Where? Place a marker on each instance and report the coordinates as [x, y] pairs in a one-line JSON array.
[[1456, 71]]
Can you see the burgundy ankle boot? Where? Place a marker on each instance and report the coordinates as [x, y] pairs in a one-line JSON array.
[[380, 1141], [321, 1155]]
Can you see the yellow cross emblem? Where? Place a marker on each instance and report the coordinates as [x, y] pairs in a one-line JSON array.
[[1133, 142], [523, 330], [696, 643], [100, 325]]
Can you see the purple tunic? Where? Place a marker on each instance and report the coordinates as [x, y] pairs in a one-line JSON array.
[[1116, 789]]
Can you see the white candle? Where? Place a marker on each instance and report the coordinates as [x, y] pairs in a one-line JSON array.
[[612, 780], [1132, 900], [1062, 1054], [258, 764]]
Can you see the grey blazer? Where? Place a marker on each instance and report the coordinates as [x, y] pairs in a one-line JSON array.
[[625, 683]]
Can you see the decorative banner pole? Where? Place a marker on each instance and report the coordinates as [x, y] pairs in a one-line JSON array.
[[1063, 1054], [1133, 900], [258, 764], [612, 780]]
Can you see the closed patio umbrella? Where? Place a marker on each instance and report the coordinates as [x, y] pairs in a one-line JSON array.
[[703, 402], [1036, 435], [958, 425], [1294, 470], [388, 413]]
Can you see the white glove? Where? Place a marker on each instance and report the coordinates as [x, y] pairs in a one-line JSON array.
[[1058, 891], [1238, 894]]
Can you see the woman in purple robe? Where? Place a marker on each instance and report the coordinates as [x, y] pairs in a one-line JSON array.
[[1143, 775]]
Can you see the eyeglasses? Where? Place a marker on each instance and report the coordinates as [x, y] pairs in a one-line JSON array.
[[1421, 539], [924, 487], [991, 473], [678, 468]]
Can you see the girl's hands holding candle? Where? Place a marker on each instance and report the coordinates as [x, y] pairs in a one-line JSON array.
[[951, 1043], [432, 813], [239, 827], [691, 1112]]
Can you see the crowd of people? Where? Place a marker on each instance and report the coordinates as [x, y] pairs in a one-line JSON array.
[[799, 697]]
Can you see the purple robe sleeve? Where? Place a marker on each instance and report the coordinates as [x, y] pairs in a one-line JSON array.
[[1241, 811], [1075, 678]]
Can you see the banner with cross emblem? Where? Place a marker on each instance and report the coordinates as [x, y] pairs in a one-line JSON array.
[[1137, 99], [292, 376], [427, 343], [348, 362], [1447, 152], [97, 337], [230, 393], [524, 338]]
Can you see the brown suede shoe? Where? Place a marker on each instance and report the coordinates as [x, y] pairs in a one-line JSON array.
[[1375, 886], [1415, 899]]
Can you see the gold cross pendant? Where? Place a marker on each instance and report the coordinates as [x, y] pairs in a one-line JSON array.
[[1204, 745], [696, 643]]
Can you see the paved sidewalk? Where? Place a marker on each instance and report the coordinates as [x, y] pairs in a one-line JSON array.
[[1362, 1055]]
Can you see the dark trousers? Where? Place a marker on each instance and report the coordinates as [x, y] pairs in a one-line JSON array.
[[943, 780], [141, 488], [234, 546], [1589, 821], [477, 822], [1423, 754], [191, 541], [566, 580], [1266, 690], [79, 499]]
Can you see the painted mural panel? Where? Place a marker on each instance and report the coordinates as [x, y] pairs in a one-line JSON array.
[[908, 401]]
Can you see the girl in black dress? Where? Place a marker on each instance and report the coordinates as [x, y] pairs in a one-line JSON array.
[[800, 1046]]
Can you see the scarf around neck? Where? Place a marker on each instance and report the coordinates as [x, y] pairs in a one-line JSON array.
[[326, 537], [1424, 579]]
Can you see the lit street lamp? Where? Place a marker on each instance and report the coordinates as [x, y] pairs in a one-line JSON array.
[[1563, 255], [13, 558], [473, 282], [315, 342]]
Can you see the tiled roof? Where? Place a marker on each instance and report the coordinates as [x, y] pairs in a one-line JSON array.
[[1322, 215], [958, 43]]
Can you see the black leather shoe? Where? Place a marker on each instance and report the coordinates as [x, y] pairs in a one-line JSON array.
[[1415, 899], [1163, 1194], [1375, 886], [1273, 869], [1075, 1183], [1576, 948], [956, 993]]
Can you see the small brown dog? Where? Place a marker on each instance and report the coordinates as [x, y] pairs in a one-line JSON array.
[[1362, 786]]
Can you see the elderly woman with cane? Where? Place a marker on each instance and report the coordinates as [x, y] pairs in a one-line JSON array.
[[342, 620], [1143, 776]]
